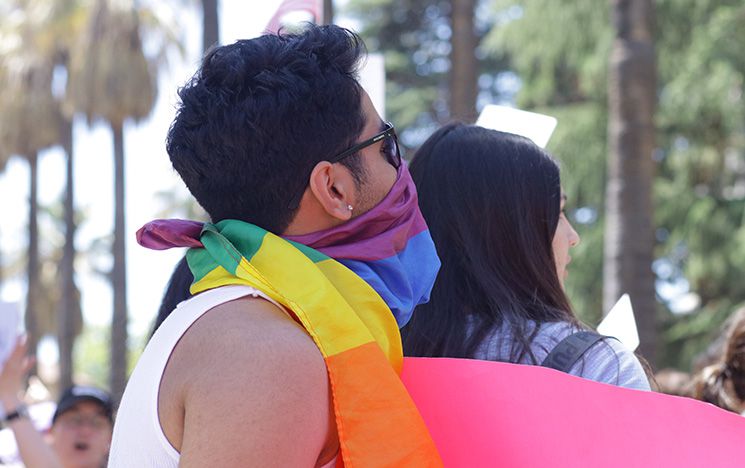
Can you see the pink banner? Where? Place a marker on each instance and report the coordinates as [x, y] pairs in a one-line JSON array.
[[484, 414]]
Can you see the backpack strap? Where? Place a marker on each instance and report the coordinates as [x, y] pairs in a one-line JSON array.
[[568, 351]]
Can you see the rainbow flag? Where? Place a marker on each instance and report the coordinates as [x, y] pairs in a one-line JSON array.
[[377, 422]]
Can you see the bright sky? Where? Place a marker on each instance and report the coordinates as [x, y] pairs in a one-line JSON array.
[[148, 171]]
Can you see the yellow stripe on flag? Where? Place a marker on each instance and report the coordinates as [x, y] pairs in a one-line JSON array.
[[373, 311]]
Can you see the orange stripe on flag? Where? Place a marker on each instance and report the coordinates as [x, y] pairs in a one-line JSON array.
[[375, 414]]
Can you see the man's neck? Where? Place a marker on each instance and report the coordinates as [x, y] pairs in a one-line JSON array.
[[310, 218]]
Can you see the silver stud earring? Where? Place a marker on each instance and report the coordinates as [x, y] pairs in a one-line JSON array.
[[349, 207]]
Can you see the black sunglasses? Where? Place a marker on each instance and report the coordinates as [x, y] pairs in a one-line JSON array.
[[389, 148]]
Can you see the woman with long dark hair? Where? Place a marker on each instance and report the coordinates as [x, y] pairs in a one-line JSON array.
[[495, 209]]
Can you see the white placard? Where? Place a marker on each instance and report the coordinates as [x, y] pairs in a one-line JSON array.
[[620, 323], [9, 320], [372, 80], [537, 127]]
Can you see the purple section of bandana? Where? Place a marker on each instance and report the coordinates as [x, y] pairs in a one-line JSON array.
[[162, 234], [380, 233]]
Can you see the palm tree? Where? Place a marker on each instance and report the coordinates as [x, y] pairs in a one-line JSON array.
[[69, 303], [629, 237], [463, 64], [58, 35], [52, 24], [210, 25], [111, 79], [328, 11], [55, 316], [30, 121]]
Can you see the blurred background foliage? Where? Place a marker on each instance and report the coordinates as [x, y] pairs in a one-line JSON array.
[[552, 57]]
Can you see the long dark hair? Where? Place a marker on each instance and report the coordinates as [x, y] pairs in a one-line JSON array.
[[492, 201]]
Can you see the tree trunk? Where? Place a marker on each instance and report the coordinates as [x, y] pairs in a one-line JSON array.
[[629, 236], [463, 64], [33, 281], [119, 273], [210, 25], [66, 321], [328, 12]]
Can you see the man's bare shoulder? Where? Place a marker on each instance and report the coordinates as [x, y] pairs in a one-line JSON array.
[[246, 375], [249, 335]]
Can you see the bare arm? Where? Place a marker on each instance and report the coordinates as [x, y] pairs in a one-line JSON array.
[[34, 451], [258, 391]]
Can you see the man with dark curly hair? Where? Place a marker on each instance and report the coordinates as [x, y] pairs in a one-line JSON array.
[[289, 352]]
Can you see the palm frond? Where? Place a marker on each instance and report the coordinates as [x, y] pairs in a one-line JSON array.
[[110, 78]]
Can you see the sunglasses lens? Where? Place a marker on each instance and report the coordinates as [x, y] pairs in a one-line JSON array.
[[391, 151]]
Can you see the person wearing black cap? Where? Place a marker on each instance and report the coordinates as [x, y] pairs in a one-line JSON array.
[[80, 435]]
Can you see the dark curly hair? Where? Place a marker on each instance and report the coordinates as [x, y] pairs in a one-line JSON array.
[[260, 114]]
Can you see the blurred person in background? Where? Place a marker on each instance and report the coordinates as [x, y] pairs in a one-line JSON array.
[[723, 383], [80, 435], [713, 353], [674, 382], [495, 208]]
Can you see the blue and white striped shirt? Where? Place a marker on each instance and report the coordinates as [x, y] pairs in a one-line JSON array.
[[606, 361]]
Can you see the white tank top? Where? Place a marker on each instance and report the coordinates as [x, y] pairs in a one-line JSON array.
[[138, 439]]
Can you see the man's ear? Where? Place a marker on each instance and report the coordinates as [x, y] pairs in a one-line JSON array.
[[334, 188]]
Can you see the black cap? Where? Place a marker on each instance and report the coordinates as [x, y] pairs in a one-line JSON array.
[[78, 393]]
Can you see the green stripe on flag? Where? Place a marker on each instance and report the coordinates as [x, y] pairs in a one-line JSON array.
[[222, 251], [200, 263], [246, 241], [246, 238]]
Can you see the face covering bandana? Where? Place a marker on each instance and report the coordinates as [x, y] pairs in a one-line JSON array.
[[389, 246]]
